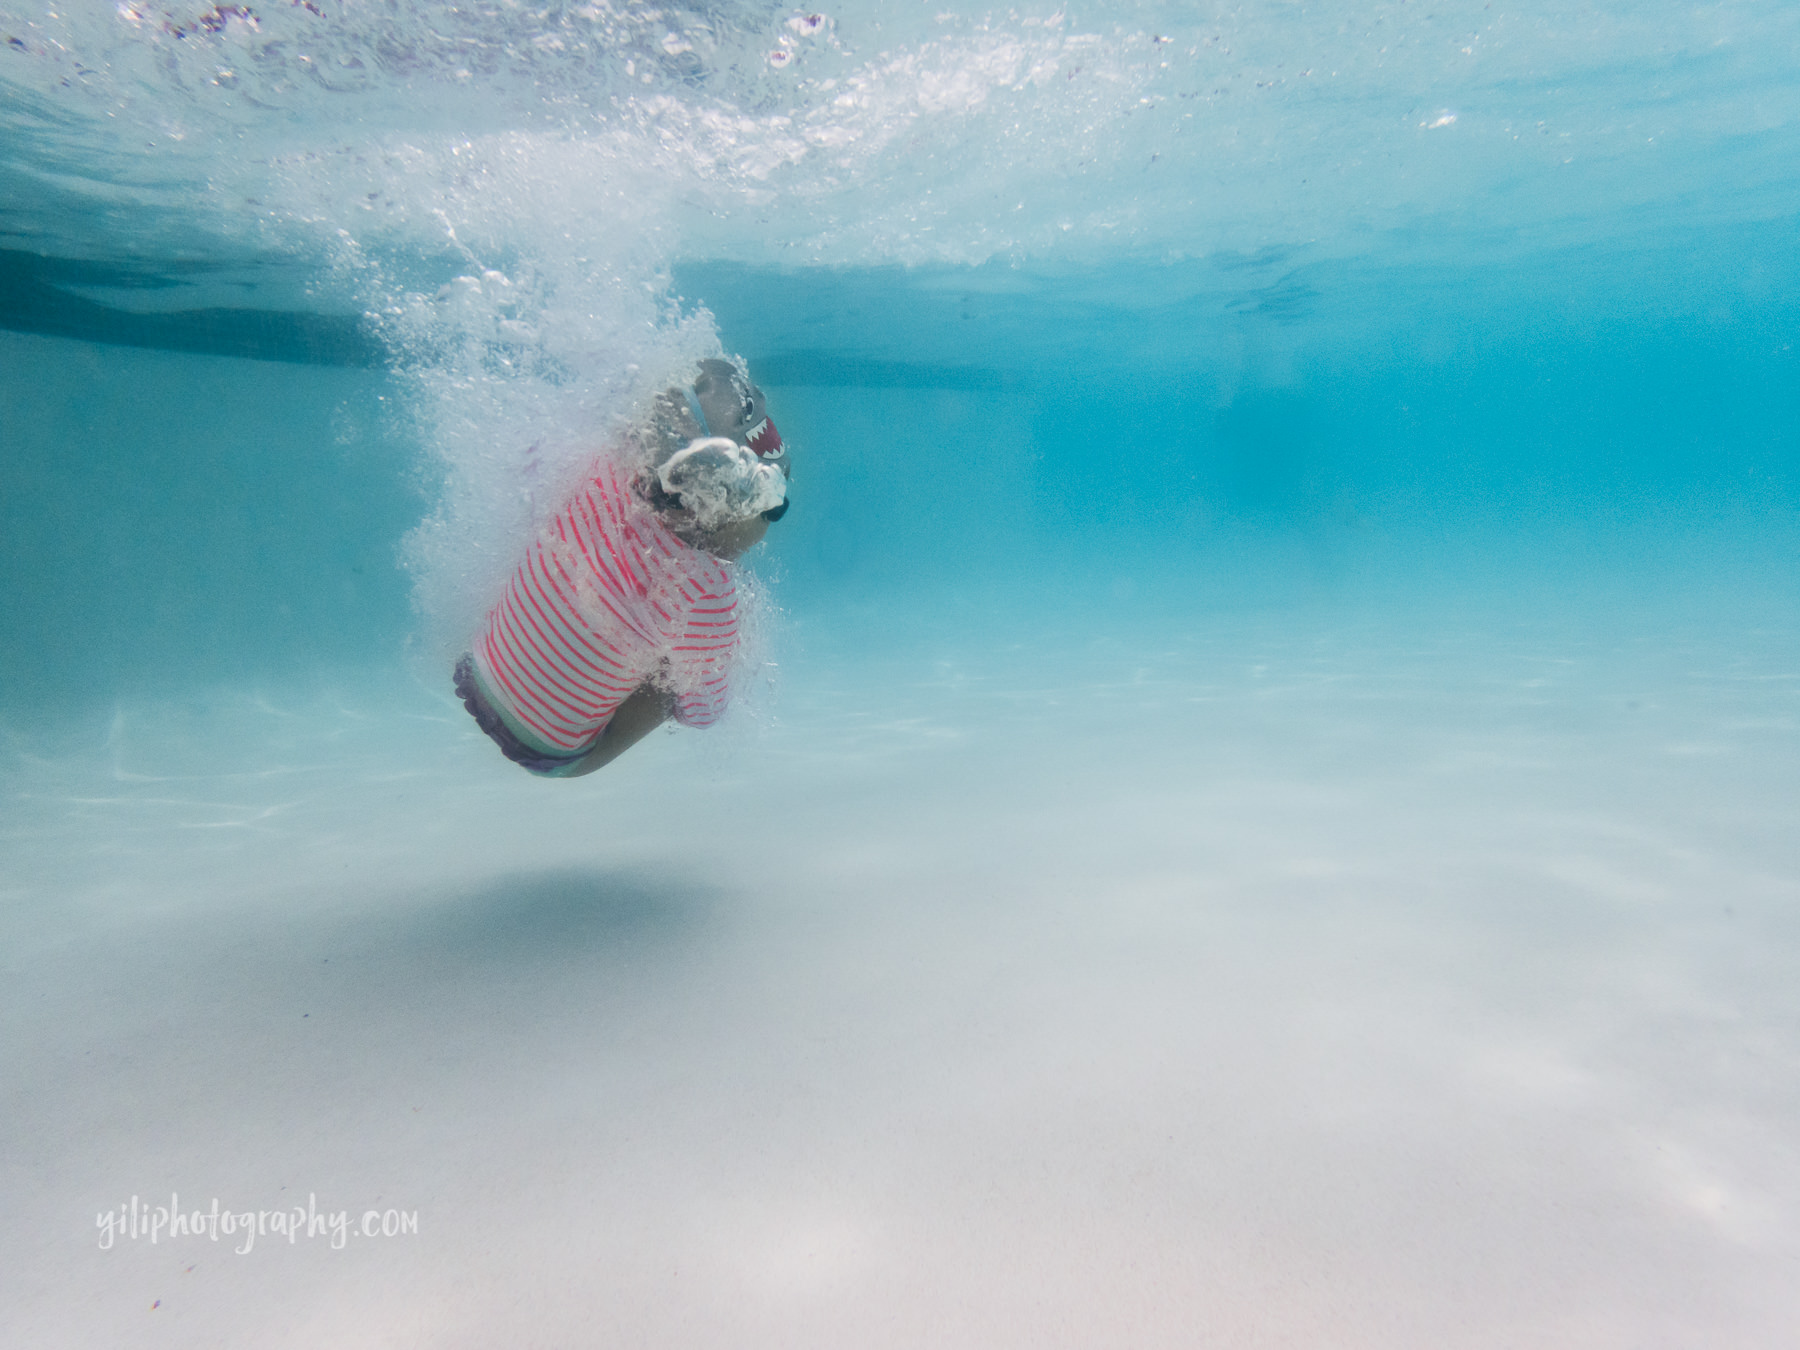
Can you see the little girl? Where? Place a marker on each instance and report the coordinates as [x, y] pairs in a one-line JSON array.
[[623, 613]]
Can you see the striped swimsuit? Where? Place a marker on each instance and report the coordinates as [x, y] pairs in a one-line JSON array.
[[605, 599]]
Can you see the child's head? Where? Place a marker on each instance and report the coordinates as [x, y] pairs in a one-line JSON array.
[[729, 405], [716, 462]]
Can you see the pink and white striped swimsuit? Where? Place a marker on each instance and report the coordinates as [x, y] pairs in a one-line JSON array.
[[606, 598]]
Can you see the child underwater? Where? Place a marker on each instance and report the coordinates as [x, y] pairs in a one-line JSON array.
[[623, 613]]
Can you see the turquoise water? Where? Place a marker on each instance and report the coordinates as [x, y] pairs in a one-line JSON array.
[[1259, 808]]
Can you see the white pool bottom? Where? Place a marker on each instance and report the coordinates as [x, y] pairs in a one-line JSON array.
[[1361, 986]]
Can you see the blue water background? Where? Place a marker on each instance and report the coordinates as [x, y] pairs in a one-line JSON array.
[[988, 449]]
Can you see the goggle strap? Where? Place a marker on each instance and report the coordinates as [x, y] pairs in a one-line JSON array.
[[694, 407]]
